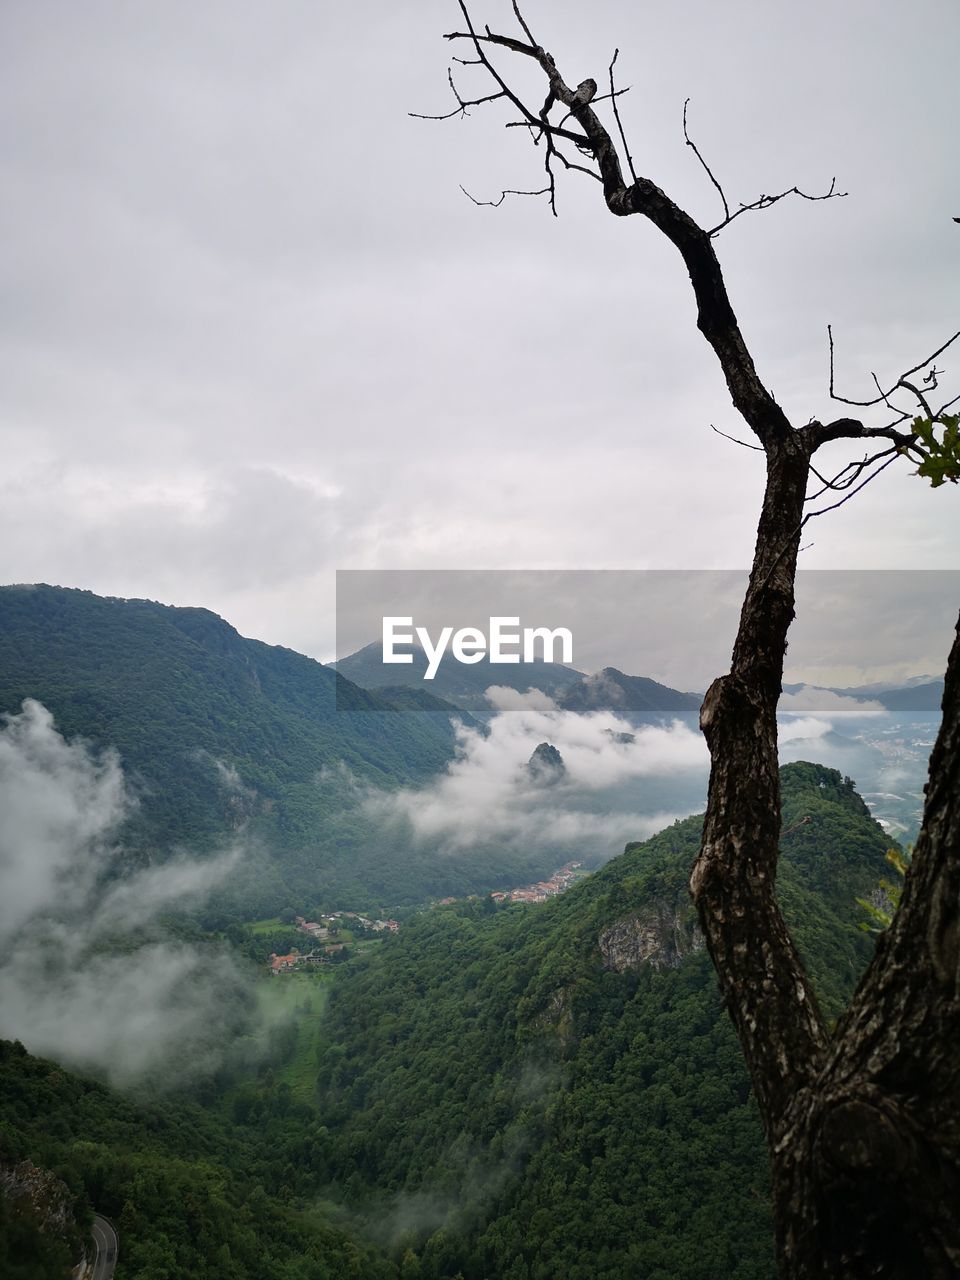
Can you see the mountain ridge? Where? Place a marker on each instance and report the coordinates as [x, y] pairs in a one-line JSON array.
[[217, 733]]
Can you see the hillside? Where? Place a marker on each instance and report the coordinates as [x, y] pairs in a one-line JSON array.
[[920, 699], [537, 1092], [218, 733], [192, 1193], [633, 697]]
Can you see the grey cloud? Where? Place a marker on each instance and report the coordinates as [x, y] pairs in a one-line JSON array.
[[207, 275], [247, 528], [150, 1007], [611, 792], [60, 810], [811, 701]]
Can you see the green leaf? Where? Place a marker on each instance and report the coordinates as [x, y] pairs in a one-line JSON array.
[[940, 455]]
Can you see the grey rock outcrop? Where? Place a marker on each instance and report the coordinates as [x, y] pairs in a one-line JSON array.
[[660, 935]]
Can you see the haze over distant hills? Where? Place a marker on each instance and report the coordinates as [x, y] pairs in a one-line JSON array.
[[634, 697], [462, 684], [919, 693], [923, 696]]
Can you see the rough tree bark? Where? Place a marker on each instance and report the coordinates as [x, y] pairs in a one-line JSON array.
[[863, 1125]]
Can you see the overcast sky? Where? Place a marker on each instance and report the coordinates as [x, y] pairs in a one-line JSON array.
[[253, 332]]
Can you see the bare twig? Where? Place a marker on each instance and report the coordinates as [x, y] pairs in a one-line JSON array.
[[762, 202], [745, 443], [520, 18], [842, 480], [707, 170], [902, 415], [797, 825], [862, 485], [580, 168], [478, 40], [616, 115], [538, 127], [882, 397], [495, 204], [461, 108], [909, 386], [765, 202]]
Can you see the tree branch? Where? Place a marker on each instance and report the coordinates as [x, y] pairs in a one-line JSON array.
[[744, 443], [495, 204], [843, 481], [873, 475], [883, 397], [765, 202], [762, 202], [461, 108]]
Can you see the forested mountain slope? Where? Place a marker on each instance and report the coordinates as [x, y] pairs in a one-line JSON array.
[[217, 733], [192, 1195], [555, 1091]]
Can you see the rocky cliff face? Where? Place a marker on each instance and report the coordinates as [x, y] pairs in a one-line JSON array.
[[42, 1202], [660, 935]]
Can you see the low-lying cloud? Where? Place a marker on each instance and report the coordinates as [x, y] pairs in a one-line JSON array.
[[89, 976], [824, 702], [619, 782]]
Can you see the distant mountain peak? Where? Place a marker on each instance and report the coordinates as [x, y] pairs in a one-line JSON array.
[[546, 764], [628, 696]]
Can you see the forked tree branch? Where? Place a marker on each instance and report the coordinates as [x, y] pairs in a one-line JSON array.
[[716, 318], [884, 396], [462, 104], [762, 202]]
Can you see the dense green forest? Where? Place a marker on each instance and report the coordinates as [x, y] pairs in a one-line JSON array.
[[557, 1092], [494, 1092], [191, 1192]]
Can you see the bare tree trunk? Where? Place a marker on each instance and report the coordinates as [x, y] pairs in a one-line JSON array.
[[734, 880], [863, 1126]]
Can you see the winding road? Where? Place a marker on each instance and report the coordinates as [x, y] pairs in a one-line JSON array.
[[105, 1243]]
